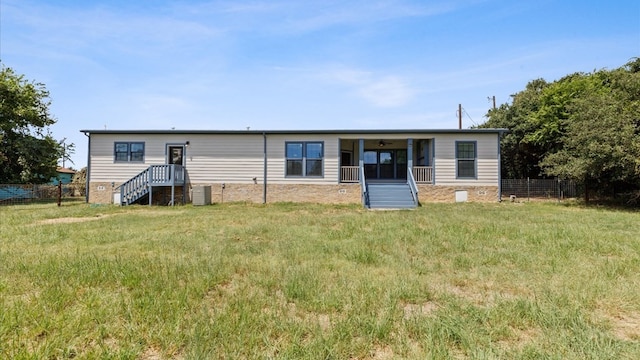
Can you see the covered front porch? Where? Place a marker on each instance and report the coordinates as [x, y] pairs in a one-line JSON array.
[[386, 159]]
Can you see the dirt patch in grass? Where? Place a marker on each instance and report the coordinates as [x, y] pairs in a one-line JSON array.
[[519, 338], [382, 353], [155, 213], [143, 212], [415, 310], [626, 326], [151, 354], [154, 353], [69, 220], [293, 312], [483, 292]]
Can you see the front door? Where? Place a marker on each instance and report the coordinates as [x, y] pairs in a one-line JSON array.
[[175, 154], [371, 164], [385, 164]]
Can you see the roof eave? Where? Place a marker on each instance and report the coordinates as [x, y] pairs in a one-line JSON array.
[[275, 132]]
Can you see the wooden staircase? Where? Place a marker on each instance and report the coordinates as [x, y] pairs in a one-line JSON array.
[[141, 185]]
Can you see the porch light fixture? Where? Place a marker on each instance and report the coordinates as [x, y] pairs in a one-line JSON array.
[[187, 143], [381, 143]]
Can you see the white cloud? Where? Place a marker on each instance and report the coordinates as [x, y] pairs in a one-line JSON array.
[[389, 91], [380, 91], [320, 15], [296, 17], [102, 28]]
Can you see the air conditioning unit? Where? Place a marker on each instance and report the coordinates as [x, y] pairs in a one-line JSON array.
[[202, 195]]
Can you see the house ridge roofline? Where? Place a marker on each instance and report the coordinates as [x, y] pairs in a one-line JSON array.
[[277, 132]]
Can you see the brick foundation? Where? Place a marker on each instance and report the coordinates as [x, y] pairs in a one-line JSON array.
[[437, 193], [254, 193], [102, 192]]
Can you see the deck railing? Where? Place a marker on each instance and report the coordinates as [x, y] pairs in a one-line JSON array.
[[423, 174], [349, 174], [155, 175], [167, 174]]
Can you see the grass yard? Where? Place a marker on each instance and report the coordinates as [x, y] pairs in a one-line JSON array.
[[292, 281]]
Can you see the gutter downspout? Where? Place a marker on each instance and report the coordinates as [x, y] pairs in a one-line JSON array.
[[264, 178], [499, 168], [433, 161], [86, 185]]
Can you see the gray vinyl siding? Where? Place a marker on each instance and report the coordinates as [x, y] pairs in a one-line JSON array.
[[277, 162], [209, 158], [487, 159], [219, 158], [239, 158], [103, 166], [213, 158]]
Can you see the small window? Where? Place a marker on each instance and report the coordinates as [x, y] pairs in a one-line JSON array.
[[466, 159], [129, 152], [304, 158]]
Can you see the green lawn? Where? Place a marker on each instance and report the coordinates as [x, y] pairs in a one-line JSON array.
[[291, 281]]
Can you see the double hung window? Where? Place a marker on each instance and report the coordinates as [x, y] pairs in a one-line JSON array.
[[129, 152], [466, 157], [304, 158]]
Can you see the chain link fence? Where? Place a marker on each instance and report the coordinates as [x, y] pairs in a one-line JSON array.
[[15, 194], [540, 188]]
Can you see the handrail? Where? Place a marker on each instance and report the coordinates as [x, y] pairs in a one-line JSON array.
[[363, 184], [135, 186], [154, 175], [412, 184]]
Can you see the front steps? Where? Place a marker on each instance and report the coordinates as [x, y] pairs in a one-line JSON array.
[[390, 196]]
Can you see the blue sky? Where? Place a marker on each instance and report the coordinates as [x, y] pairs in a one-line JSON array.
[[286, 64]]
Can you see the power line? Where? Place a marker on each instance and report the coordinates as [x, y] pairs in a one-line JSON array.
[[469, 116]]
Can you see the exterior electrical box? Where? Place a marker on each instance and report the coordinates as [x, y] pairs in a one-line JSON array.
[[461, 195], [117, 198], [202, 195]]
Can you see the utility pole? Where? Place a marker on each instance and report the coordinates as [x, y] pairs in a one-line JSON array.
[[494, 100], [64, 150], [460, 116]]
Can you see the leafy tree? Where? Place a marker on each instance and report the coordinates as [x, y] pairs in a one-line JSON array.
[[602, 139], [520, 157], [28, 151], [584, 127], [79, 182]]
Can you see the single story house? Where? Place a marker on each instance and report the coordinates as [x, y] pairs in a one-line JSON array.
[[64, 176], [378, 168]]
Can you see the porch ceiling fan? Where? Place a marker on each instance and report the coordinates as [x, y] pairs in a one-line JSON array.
[[383, 143]]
